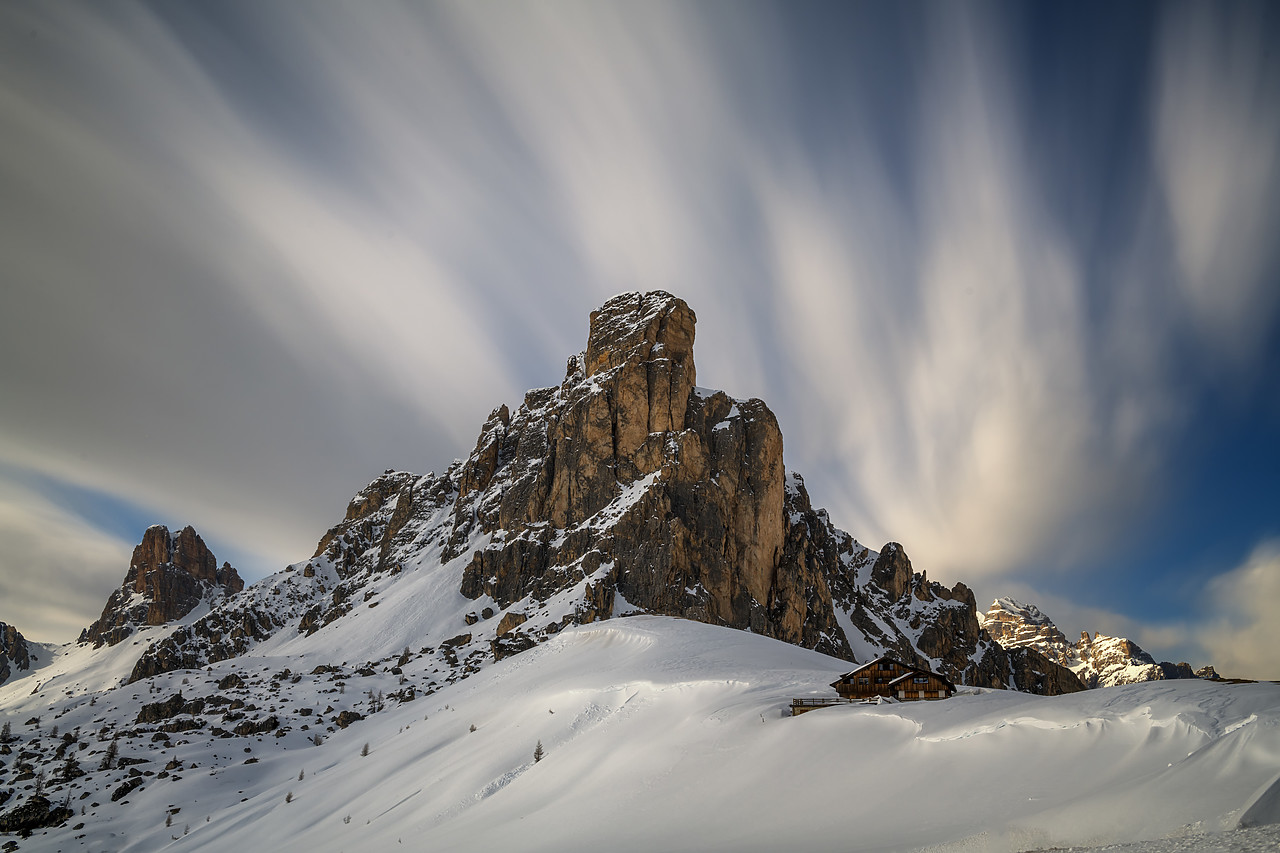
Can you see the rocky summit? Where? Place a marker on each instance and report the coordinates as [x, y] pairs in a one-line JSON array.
[[1098, 660], [169, 575], [626, 488]]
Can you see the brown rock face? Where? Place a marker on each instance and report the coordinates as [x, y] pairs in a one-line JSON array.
[[1035, 673], [1014, 625], [168, 576], [892, 571], [14, 654], [630, 481]]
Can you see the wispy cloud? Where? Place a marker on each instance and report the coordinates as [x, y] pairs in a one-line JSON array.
[[262, 255], [1001, 396], [946, 327], [1240, 630], [56, 570], [1218, 159]]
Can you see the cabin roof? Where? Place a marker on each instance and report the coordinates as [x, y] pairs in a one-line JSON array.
[[869, 663]]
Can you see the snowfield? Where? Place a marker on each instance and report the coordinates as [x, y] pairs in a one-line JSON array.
[[664, 734]]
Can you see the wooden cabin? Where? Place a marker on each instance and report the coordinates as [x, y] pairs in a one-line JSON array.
[[921, 684], [885, 676]]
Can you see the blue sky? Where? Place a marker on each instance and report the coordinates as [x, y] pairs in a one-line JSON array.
[[1005, 272]]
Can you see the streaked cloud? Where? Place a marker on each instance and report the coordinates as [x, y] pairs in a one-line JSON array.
[[1218, 159], [56, 570], [261, 255], [1240, 631]]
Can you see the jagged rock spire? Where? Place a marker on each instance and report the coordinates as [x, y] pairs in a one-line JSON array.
[[168, 575]]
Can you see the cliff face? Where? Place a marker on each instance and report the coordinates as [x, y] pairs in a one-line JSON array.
[[1016, 625], [669, 498], [14, 654], [168, 576]]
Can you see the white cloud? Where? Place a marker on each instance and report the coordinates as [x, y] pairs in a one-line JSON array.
[[1234, 629], [55, 570], [1241, 632], [944, 337], [1218, 155]]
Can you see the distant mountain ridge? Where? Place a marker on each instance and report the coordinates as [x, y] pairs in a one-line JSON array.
[[625, 489], [1098, 661]]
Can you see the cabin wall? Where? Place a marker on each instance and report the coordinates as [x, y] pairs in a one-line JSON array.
[[931, 687]]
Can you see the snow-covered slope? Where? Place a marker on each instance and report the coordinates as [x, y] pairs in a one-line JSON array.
[[657, 733]]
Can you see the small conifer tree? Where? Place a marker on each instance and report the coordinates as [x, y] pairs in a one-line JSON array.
[[109, 760], [6, 732], [364, 750], [537, 752]]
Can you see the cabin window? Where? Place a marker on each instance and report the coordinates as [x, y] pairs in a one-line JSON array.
[[864, 680], [921, 679], [884, 666], [882, 681]]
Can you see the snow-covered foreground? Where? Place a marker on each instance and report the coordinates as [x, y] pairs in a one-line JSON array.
[[662, 734]]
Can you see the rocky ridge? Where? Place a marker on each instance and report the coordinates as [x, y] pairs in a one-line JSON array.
[[1098, 660], [15, 655], [626, 488], [169, 575]]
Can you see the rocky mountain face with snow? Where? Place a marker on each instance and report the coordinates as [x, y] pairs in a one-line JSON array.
[[1017, 625], [169, 575], [1098, 661], [15, 656], [627, 488]]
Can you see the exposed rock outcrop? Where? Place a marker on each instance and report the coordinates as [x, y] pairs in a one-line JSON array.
[[1107, 661], [169, 575], [1097, 661], [36, 813], [15, 655], [1015, 625], [632, 483]]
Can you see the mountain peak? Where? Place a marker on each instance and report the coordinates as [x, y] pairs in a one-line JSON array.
[[1098, 660], [625, 489], [642, 327], [169, 574]]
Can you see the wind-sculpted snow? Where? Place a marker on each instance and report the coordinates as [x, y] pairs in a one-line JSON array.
[[658, 733]]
